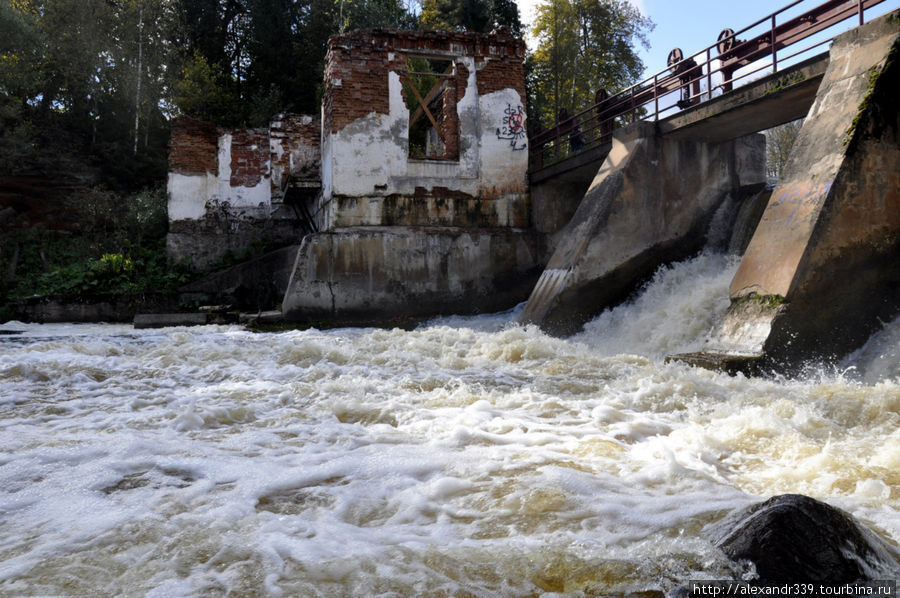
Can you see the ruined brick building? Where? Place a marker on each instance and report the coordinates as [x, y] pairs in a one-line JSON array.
[[407, 196]]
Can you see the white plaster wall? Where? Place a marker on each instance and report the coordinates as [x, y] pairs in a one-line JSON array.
[[188, 194], [257, 196], [467, 107], [504, 157], [366, 153], [369, 157]]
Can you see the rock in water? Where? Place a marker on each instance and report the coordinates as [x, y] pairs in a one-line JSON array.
[[797, 539]]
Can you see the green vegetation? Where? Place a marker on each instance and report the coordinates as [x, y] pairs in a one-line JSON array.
[[862, 111], [583, 45], [764, 301], [470, 15], [114, 250], [785, 82]]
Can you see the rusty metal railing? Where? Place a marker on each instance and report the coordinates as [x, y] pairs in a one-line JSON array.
[[729, 61]]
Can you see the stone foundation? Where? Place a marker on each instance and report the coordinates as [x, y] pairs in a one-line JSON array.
[[374, 274]]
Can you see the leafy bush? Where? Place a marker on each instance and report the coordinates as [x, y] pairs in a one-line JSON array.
[[141, 270], [118, 247]]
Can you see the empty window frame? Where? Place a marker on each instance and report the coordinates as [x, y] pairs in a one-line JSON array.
[[430, 91]]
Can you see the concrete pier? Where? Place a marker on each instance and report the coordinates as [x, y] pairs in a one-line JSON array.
[[371, 275], [822, 270], [650, 203]]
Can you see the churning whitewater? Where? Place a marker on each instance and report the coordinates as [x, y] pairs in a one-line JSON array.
[[468, 457]]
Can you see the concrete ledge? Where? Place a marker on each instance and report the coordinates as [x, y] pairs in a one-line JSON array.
[[593, 156], [164, 320], [263, 318]]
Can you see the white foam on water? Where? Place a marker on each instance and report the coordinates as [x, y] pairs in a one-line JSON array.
[[470, 456], [672, 313]]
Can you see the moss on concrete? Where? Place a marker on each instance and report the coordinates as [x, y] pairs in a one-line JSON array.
[[766, 301], [865, 104]]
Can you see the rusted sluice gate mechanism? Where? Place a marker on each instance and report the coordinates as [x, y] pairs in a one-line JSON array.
[[721, 65]]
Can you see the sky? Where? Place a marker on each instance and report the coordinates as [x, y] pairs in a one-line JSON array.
[[692, 25]]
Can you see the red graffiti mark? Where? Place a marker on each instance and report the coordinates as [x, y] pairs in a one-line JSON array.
[[513, 128]]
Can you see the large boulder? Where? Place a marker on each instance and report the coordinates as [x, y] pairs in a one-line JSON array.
[[797, 539]]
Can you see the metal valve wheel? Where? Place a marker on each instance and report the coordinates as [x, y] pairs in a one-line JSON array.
[[726, 41]]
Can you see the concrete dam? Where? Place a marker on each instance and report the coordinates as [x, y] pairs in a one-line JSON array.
[[415, 198]]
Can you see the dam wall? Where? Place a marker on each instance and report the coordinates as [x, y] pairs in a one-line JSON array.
[[650, 203], [367, 275], [822, 270]]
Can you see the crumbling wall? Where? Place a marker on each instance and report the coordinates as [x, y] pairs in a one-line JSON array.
[[410, 233], [227, 186], [368, 176]]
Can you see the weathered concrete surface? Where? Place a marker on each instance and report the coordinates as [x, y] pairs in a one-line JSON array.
[[438, 206], [650, 204], [592, 158], [253, 285], [165, 320], [822, 270], [109, 308], [554, 201], [374, 274], [204, 240]]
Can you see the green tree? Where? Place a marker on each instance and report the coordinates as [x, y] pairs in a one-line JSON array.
[[367, 14], [244, 60], [470, 15], [583, 45], [85, 80]]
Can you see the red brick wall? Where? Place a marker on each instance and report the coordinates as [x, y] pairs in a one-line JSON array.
[[249, 156], [356, 81], [301, 140], [193, 147], [497, 74]]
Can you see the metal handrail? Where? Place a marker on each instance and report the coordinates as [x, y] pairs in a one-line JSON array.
[[651, 98]]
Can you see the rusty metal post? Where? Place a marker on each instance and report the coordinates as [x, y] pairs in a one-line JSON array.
[[633, 107], [656, 97], [774, 49]]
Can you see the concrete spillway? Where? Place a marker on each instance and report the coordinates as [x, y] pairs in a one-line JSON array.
[[650, 203], [822, 270]]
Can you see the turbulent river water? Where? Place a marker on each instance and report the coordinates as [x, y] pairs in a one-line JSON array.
[[467, 457]]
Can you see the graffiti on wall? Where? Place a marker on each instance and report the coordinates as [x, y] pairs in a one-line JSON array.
[[513, 129]]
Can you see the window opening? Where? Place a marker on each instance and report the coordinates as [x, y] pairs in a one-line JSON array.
[[430, 90]]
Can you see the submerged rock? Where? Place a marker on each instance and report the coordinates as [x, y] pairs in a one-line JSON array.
[[797, 539]]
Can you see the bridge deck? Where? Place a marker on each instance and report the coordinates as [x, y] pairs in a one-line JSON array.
[[756, 106], [761, 104]]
